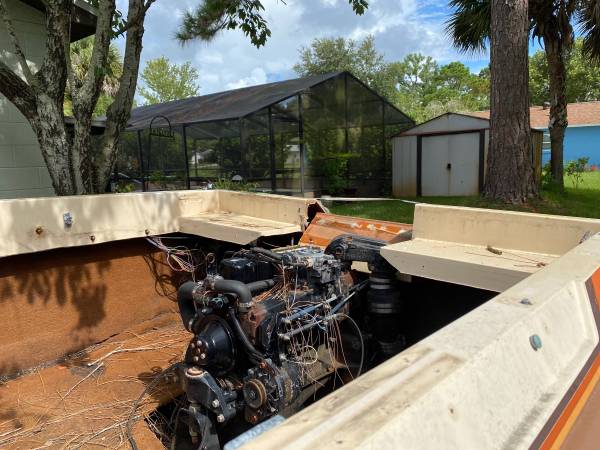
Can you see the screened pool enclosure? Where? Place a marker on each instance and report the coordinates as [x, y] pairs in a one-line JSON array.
[[325, 134]]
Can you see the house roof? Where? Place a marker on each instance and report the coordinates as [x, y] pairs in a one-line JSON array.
[[231, 104], [579, 114], [83, 19]]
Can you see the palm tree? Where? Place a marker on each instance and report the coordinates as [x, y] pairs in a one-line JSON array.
[[81, 55], [550, 21]]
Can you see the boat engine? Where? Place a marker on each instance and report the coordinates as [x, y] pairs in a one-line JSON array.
[[273, 327]]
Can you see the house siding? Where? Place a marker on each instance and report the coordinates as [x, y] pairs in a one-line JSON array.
[[23, 172], [580, 141]]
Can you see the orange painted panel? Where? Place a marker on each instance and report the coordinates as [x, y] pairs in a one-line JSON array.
[[324, 227], [565, 422], [596, 285]]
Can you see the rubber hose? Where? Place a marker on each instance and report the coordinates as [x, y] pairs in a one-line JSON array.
[[237, 327], [267, 253], [185, 297], [261, 285], [239, 289]]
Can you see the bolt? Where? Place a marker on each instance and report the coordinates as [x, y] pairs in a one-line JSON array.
[[220, 418], [195, 359], [39, 230], [67, 219], [193, 345], [147, 231], [535, 341], [215, 403], [526, 301], [193, 371], [202, 355], [199, 343], [92, 238]]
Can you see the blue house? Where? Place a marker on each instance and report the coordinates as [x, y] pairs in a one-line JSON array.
[[582, 137]]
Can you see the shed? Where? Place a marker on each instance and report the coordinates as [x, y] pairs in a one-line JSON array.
[[446, 156]]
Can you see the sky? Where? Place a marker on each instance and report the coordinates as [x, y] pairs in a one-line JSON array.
[[230, 61]]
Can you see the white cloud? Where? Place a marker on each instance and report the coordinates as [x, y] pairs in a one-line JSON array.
[[258, 76], [399, 26]]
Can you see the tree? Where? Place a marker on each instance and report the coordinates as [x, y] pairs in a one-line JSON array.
[[583, 77], [551, 23], [81, 55], [417, 84], [459, 90], [213, 16], [75, 166], [165, 81], [425, 89], [510, 176], [414, 79], [338, 54], [505, 24]]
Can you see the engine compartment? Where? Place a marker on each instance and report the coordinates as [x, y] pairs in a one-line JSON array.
[[273, 328]]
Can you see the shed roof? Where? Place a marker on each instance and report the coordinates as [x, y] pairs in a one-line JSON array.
[[448, 123], [231, 104], [579, 114]]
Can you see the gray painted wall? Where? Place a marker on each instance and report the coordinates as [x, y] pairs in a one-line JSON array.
[[23, 172]]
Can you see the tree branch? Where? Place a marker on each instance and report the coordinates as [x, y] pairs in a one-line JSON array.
[[17, 91], [52, 76], [120, 110], [93, 79], [15, 41]]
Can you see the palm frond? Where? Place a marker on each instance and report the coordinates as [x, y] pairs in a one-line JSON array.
[[469, 24], [588, 18]]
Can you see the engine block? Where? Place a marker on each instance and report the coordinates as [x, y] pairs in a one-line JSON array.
[[268, 332]]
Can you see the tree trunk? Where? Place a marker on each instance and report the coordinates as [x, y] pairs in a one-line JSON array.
[[510, 174], [55, 145], [75, 167], [119, 112], [557, 74]]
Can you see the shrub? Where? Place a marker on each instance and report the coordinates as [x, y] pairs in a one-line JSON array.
[[574, 170], [546, 179], [124, 186], [234, 185]]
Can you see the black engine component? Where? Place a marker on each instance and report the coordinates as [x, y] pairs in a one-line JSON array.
[[214, 345], [245, 270], [267, 330], [384, 307]]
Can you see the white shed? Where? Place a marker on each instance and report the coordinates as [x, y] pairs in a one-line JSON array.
[[444, 156], [447, 156]]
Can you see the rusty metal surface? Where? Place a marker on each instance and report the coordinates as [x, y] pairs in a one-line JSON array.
[[324, 227]]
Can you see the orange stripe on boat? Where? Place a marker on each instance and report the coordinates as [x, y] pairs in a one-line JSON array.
[[565, 422], [596, 286], [569, 415]]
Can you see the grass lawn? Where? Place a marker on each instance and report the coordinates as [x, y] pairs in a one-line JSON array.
[[581, 202]]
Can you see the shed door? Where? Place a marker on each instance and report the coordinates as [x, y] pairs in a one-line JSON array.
[[464, 160], [435, 177], [450, 164]]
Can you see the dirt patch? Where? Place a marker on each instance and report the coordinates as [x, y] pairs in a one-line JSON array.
[[99, 398]]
